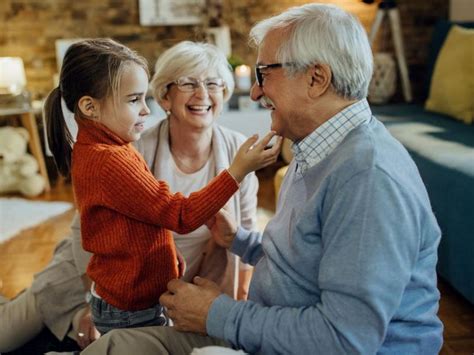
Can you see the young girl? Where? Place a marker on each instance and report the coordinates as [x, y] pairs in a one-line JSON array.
[[126, 215]]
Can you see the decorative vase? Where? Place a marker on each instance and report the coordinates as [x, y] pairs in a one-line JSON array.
[[384, 80]]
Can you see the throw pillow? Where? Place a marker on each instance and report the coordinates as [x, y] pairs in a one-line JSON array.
[[438, 37], [452, 85]]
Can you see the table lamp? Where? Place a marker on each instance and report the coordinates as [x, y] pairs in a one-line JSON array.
[[13, 92]]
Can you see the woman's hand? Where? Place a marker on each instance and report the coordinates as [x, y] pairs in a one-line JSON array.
[[87, 332], [244, 283], [253, 155], [181, 263], [223, 228]]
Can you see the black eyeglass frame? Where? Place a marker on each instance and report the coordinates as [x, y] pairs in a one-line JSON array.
[[260, 67]]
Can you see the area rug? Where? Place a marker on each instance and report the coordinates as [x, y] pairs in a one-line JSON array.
[[17, 214]]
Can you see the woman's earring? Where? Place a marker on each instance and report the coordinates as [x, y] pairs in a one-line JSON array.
[[168, 113]]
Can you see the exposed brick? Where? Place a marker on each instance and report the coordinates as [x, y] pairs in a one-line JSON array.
[[29, 28]]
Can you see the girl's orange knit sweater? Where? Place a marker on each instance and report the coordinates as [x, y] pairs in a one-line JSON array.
[[127, 215]]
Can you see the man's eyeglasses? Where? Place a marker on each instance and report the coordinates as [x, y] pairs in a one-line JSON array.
[[259, 68], [186, 84]]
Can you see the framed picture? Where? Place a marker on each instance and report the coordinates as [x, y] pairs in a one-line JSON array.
[[220, 37], [171, 13], [61, 47]]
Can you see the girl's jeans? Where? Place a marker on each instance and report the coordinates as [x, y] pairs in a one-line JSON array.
[[107, 317]]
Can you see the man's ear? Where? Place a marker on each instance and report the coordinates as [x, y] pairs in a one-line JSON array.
[[319, 79], [89, 107]]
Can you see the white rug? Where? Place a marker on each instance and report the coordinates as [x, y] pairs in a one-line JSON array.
[[17, 214]]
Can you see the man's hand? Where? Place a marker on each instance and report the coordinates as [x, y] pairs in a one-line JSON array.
[[223, 228], [188, 304], [87, 332]]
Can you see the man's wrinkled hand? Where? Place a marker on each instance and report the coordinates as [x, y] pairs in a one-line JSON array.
[[188, 304]]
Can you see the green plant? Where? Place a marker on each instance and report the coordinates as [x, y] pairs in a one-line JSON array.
[[234, 61]]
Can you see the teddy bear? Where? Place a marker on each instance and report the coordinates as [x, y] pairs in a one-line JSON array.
[[18, 169]]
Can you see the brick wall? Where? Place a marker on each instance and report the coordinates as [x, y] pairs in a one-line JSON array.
[[29, 28]]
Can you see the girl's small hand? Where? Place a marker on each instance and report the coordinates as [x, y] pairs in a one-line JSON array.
[[253, 155]]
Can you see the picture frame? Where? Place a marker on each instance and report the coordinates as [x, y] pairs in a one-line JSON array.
[[171, 13], [220, 37], [62, 45]]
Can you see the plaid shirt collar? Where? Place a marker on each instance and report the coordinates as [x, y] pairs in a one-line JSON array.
[[324, 139]]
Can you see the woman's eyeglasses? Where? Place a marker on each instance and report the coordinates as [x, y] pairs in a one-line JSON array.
[[213, 85]]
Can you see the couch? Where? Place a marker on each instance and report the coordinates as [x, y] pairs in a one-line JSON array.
[[443, 146], [443, 150]]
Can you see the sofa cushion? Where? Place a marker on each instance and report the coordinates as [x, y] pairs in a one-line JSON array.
[[452, 85], [438, 37], [443, 150]]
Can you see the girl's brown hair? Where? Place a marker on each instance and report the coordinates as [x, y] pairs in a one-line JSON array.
[[92, 67]]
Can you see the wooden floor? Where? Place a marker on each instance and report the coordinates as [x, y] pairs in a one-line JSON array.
[[31, 250]]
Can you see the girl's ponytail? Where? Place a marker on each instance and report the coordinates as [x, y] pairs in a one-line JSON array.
[[59, 138]]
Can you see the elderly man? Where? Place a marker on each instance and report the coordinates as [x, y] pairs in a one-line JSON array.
[[347, 265]]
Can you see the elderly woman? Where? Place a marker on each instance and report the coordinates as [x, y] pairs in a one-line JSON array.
[[191, 83]]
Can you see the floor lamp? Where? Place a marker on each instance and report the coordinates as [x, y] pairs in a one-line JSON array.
[[389, 7]]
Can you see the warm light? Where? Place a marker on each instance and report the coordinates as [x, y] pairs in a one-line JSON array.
[[242, 70], [12, 75], [242, 77]]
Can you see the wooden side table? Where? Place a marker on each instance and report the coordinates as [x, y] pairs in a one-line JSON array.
[[28, 121]]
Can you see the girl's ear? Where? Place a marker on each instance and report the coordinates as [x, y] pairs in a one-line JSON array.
[[319, 79], [89, 107]]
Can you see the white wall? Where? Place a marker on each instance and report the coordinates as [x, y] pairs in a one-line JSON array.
[[461, 10]]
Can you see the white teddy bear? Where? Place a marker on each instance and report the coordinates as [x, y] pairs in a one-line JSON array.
[[18, 169]]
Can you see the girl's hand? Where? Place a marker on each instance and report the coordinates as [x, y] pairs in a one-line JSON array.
[[253, 155]]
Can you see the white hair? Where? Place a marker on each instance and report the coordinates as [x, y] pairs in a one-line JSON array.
[[324, 34], [190, 59]]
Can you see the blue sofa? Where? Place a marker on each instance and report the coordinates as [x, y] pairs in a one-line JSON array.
[[443, 150]]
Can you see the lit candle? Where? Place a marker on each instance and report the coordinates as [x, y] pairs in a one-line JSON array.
[[242, 77]]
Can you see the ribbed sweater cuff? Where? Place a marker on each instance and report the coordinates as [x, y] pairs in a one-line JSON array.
[[233, 178], [217, 316], [240, 242]]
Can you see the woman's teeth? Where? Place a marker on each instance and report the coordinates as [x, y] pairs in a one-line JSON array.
[[199, 108]]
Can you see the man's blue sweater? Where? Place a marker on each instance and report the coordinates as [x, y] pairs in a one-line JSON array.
[[347, 265]]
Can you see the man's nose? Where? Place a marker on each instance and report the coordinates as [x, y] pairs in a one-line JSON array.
[[256, 92]]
